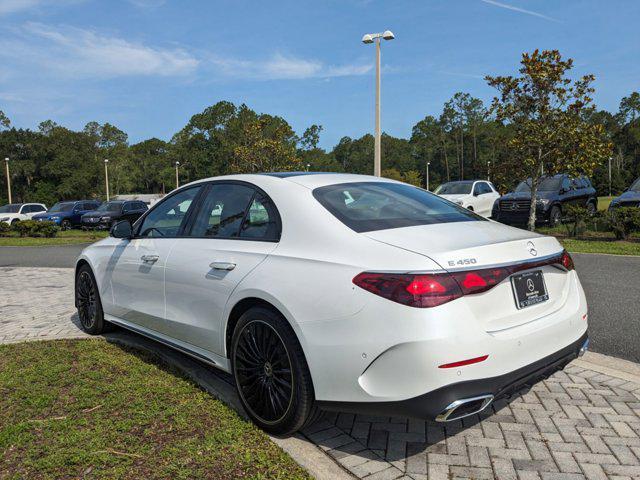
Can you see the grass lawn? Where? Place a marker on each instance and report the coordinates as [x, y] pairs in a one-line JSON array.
[[90, 409], [68, 237], [601, 246], [603, 202]]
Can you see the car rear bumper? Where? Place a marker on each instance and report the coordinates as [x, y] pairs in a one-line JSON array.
[[434, 404]]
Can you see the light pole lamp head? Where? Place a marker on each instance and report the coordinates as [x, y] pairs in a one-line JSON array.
[[106, 160], [368, 38], [388, 35], [6, 159], [177, 164]]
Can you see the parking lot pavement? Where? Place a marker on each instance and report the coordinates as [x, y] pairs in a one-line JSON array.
[[583, 423], [613, 293], [62, 256]]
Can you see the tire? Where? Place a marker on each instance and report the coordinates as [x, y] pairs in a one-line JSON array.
[[555, 216], [591, 208], [470, 208], [88, 303], [14, 221], [271, 373], [65, 225]]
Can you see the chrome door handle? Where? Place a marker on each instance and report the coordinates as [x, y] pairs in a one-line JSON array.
[[222, 265], [149, 258]]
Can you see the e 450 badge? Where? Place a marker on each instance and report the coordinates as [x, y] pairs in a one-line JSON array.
[[462, 262]]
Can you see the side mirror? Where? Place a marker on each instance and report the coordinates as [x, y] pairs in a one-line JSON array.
[[122, 229]]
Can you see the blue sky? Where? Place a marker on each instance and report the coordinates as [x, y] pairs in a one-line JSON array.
[[148, 65]]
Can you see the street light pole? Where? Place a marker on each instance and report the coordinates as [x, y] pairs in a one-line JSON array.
[[6, 165], [106, 176], [177, 178], [428, 163], [609, 176], [377, 156], [488, 170]]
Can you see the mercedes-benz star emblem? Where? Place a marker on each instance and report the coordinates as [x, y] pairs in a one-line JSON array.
[[530, 286], [532, 249]]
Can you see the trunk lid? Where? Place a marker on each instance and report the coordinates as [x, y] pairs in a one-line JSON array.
[[478, 245]]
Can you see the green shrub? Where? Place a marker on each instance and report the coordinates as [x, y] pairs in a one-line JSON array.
[[624, 221], [31, 228], [5, 229], [576, 218]]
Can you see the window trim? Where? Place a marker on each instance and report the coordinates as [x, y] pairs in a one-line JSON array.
[[256, 190], [196, 205]]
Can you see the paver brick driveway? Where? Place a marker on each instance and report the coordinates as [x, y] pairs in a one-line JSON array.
[[578, 424]]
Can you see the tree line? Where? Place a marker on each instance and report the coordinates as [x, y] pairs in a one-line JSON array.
[[467, 140]]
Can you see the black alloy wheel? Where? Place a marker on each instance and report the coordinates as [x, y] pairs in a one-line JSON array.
[[263, 372], [88, 302], [271, 372], [555, 216], [65, 225]]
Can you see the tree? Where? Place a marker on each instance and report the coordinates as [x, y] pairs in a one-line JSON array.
[[4, 121], [311, 137], [548, 113]]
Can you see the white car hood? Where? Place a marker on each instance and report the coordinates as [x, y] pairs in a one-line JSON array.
[[453, 198], [474, 243]]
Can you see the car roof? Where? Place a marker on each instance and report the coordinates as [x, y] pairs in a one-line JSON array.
[[309, 180]]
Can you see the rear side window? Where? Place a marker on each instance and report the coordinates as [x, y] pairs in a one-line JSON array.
[[222, 211], [260, 222], [369, 206]]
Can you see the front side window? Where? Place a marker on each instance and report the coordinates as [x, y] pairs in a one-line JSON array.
[[481, 188], [168, 217], [37, 208], [369, 206]]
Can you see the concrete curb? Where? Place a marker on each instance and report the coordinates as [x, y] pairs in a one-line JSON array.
[[614, 367], [310, 457]]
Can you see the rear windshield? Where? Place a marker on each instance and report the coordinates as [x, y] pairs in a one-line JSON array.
[[454, 188], [369, 206], [10, 208]]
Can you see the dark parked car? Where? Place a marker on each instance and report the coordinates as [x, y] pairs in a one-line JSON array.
[[68, 214], [111, 212], [554, 195], [630, 198]]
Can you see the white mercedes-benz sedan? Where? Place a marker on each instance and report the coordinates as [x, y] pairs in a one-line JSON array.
[[322, 291]]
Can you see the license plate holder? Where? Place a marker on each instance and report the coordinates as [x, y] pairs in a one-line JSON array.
[[529, 289]]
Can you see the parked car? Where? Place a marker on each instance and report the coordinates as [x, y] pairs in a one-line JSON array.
[[339, 292], [630, 198], [476, 195], [110, 212], [554, 194], [14, 212], [68, 214]]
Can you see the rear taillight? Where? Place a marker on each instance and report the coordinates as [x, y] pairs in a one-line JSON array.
[[421, 291], [566, 260], [433, 289]]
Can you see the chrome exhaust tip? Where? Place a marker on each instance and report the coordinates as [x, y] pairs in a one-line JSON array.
[[583, 348], [464, 407]]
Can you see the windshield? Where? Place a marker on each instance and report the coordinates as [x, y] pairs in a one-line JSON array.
[[62, 207], [369, 206], [454, 188], [110, 207], [636, 186], [549, 184], [10, 208]]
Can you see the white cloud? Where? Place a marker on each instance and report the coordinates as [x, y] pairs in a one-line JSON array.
[[521, 10], [76, 52], [281, 67], [16, 6]]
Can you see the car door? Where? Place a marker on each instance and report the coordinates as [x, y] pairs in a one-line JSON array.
[[236, 227], [137, 266]]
